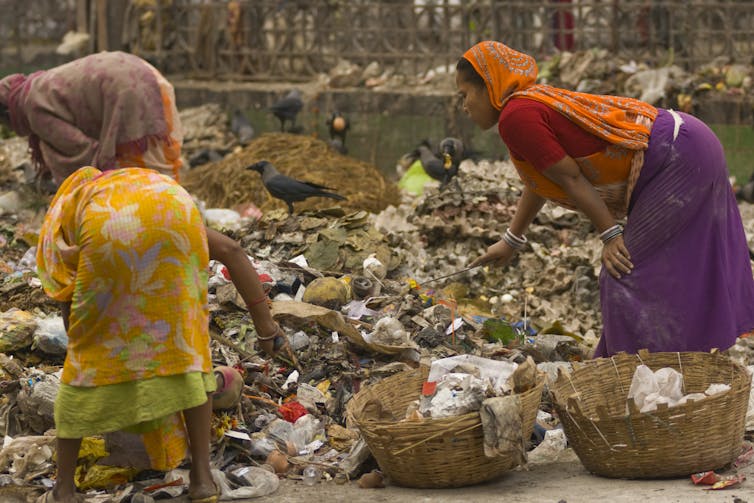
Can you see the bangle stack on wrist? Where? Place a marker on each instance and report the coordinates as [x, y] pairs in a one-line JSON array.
[[611, 233], [278, 331], [516, 242]]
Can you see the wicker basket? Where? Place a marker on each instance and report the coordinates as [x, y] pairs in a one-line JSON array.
[[668, 442], [432, 453]]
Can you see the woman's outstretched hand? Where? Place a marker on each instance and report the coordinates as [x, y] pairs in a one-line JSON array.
[[268, 332], [615, 258], [497, 255]]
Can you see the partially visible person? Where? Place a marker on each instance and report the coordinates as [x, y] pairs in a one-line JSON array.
[[677, 276], [114, 110], [125, 252], [109, 110]]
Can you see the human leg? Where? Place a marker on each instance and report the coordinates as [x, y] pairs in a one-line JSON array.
[[201, 485], [67, 454]]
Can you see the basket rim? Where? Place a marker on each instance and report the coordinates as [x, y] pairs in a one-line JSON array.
[[397, 425], [738, 386]]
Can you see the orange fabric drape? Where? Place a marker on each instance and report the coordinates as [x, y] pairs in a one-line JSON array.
[[509, 73]]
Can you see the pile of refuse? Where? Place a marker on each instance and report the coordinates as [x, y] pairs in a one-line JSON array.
[[227, 183], [352, 288], [597, 71]]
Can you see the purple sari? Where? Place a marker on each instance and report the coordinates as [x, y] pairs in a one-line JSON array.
[[692, 287]]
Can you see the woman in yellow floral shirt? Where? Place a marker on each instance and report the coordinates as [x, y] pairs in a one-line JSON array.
[[126, 253]]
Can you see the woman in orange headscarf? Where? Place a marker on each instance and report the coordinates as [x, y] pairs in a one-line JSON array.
[[677, 277]]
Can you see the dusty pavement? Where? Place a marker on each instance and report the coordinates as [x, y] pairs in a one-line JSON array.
[[565, 480]]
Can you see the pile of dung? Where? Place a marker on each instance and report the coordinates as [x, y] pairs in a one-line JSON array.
[[227, 183]]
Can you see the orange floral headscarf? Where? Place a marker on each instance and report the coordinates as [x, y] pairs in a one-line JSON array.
[[509, 73]]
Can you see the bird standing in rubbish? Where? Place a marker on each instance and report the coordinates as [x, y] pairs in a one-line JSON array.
[[434, 166], [289, 189], [337, 125], [452, 152], [287, 109], [241, 127]]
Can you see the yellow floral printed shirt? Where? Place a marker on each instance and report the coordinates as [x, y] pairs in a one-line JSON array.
[[128, 249]]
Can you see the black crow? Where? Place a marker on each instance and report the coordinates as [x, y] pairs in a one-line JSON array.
[[205, 156], [288, 108], [434, 166], [241, 127], [289, 189], [452, 152]]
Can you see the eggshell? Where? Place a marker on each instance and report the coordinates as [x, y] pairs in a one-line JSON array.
[[278, 461], [371, 480]]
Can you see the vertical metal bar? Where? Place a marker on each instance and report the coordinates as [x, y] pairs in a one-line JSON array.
[[17, 33], [615, 29], [102, 25], [81, 16]]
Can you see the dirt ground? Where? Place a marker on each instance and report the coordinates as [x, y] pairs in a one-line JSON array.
[[563, 481]]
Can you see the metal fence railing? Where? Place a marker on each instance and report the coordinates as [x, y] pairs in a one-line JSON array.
[[297, 39]]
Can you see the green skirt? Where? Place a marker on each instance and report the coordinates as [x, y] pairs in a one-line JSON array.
[[136, 407]]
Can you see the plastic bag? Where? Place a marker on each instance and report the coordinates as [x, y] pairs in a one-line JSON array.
[[455, 394], [261, 482], [50, 335], [494, 372], [305, 430], [648, 388]]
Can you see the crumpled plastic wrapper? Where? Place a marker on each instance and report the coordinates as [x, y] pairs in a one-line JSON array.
[[549, 449], [493, 373], [388, 331], [455, 394], [664, 386]]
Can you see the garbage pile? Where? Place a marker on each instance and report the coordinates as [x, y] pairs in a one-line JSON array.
[[597, 71], [351, 287], [226, 183], [670, 86]]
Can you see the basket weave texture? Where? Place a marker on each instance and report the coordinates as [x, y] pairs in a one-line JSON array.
[[432, 453], [613, 441]]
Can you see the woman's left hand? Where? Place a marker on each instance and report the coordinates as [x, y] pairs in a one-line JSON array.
[[615, 257]]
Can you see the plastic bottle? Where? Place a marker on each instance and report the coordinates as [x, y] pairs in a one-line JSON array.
[[311, 475]]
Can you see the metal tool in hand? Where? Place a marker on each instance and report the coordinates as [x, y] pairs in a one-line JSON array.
[[449, 275]]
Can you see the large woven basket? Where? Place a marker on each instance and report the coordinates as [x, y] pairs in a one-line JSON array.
[[613, 441], [432, 453]]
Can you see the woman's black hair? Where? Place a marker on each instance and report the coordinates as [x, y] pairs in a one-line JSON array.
[[468, 73]]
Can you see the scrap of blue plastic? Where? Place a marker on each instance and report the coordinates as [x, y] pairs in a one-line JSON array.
[[519, 325]]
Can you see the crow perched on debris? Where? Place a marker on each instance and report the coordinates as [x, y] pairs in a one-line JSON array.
[[337, 125], [289, 189], [288, 108], [241, 127], [205, 156], [452, 152], [442, 170]]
